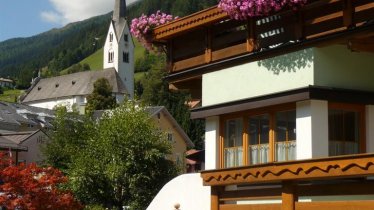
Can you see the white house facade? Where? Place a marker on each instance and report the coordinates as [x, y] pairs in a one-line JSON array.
[[288, 102]]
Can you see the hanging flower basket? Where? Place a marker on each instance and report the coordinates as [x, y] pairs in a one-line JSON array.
[[244, 9], [142, 28]]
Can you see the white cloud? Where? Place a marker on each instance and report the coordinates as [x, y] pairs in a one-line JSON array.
[[66, 11], [50, 16]]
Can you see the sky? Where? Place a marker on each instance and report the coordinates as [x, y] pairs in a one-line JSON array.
[[24, 18]]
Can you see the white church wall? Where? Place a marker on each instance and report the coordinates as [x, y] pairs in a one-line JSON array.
[[110, 46], [51, 104], [126, 70], [119, 46]]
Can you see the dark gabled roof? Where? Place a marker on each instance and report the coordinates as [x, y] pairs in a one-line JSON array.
[[16, 114], [80, 83]]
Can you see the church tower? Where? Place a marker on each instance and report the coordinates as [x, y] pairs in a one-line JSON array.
[[119, 47]]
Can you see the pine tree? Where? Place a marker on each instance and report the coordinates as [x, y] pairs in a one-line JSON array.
[[101, 98]]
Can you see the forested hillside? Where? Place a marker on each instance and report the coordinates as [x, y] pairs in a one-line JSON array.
[[21, 58]]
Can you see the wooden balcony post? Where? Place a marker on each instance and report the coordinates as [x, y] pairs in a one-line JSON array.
[[348, 13], [251, 35], [214, 198], [289, 196], [208, 48], [169, 61], [299, 25]]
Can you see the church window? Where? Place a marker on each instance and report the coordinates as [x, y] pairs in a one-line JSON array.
[[126, 37], [111, 37], [125, 57], [110, 56]]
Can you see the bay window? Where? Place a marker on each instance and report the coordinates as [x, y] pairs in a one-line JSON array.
[[258, 137]]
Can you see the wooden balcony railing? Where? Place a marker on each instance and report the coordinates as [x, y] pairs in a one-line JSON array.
[[210, 36], [287, 181]]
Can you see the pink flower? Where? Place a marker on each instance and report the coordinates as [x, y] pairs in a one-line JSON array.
[[243, 9], [142, 26]]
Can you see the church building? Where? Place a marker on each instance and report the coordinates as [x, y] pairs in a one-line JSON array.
[[72, 89]]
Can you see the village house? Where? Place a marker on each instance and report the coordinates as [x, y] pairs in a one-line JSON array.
[[288, 101], [6, 83], [73, 89], [23, 130]]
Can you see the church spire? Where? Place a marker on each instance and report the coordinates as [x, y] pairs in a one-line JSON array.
[[119, 10]]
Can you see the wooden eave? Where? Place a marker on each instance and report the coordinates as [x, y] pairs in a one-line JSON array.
[[190, 22], [320, 23], [301, 170]]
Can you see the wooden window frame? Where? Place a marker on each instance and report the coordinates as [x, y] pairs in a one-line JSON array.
[[244, 115], [360, 108]]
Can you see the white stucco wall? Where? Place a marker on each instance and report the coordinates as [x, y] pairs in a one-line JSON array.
[[336, 66], [50, 104], [291, 71], [311, 129], [111, 46], [119, 46], [211, 143], [186, 190]]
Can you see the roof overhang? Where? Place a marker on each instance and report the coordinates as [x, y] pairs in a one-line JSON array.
[[291, 96]]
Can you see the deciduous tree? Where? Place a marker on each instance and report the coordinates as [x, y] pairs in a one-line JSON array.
[[33, 188]]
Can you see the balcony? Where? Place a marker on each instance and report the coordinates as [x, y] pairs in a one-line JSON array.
[[283, 184], [209, 40]]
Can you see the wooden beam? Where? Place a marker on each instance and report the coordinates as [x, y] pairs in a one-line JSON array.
[[362, 45], [288, 196], [251, 35], [332, 205], [251, 207], [348, 13], [343, 188], [261, 193], [208, 49], [299, 25], [214, 198]]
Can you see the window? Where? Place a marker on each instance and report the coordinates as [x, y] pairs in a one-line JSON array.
[[285, 136], [110, 56], [111, 37], [346, 135], [170, 138], [125, 57], [233, 144], [126, 37], [258, 136], [258, 131]]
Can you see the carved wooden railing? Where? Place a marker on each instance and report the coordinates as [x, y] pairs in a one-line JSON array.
[[287, 181], [211, 36]]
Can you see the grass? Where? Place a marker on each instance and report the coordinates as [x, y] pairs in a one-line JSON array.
[[10, 95], [96, 59]]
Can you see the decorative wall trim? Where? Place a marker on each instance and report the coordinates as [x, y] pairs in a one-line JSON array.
[[314, 169]]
